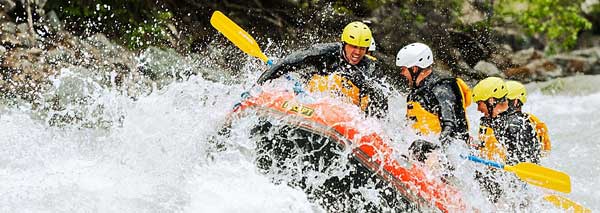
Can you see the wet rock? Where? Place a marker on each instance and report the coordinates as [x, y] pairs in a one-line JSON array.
[[573, 64], [537, 70], [487, 69], [523, 57], [500, 57], [53, 21], [60, 55], [163, 65], [7, 5], [470, 14], [22, 28], [9, 28]]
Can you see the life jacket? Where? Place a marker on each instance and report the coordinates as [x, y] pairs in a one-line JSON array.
[[491, 149], [339, 86], [426, 122], [541, 131]]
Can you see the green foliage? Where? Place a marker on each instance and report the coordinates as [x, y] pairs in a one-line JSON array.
[[558, 21], [135, 23]]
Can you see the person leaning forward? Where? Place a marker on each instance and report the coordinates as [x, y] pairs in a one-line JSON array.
[[517, 97], [435, 104], [340, 68], [504, 134]]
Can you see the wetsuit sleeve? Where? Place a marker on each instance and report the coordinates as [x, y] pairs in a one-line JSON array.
[[451, 114], [312, 56], [378, 102], [521, 143]]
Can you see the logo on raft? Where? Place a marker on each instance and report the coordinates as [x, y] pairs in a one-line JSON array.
[[299, 109]]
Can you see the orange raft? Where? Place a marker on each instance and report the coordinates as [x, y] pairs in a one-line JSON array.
[[345, 124]]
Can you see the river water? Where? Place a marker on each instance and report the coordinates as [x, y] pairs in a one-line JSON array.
[[153, 156]]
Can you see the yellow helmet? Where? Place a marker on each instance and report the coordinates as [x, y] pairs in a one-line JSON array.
[[516, 90], [488, 88], [357, 34]]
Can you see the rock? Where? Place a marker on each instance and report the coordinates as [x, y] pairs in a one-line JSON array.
[[544, 69], [591, 53], [163, 65], [470, 14], [537, 70], [9, 28], [40, 3], [22, 28], [7, 5], [487, 69], [523, 57], [58, 55], [53, 21], [588, 5], [573, 64], [9, 40], [500, 57], [25, 40], [2, 51]]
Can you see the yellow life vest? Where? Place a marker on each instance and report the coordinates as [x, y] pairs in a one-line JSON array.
[[339, 86], [491, 149], [427, 122], [541, 132]]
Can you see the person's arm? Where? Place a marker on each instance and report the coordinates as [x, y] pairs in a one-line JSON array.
[[298, 60], [452, 118]]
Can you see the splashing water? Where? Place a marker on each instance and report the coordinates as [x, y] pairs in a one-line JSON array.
[[152, 155]]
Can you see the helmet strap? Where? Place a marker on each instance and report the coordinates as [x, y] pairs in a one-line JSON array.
[[491, 106], [414, 74]]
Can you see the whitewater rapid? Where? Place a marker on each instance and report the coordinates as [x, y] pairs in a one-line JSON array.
[[154, 159]]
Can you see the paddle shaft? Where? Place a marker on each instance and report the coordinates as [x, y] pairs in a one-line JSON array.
[[483, 161]]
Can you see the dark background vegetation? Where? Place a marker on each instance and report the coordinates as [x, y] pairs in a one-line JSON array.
[[459, 36]]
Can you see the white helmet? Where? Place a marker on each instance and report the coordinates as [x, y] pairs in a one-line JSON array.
[[372, 46], [415, 54]]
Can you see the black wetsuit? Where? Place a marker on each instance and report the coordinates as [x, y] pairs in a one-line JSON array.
[[442, 97], [517, 135], [328, 58]]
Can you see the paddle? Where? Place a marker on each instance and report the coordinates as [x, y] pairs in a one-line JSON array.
[[566, 204], [238, 36], [533, 174]]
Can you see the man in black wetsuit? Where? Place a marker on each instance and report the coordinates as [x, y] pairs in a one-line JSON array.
[[339, 68], [435, 104], [505, 134]]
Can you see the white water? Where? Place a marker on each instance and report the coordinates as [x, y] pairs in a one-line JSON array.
[[156, 160]]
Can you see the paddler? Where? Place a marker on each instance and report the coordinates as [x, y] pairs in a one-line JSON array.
[[435, 104], [339, 68]]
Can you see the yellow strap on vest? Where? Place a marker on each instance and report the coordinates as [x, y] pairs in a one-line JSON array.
[[339, 86], [465, 91], [491, 149], [425, 121], [542, 132]]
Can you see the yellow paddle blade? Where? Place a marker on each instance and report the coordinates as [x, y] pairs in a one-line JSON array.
[[566, 204], [541, 176], [237, 35]]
